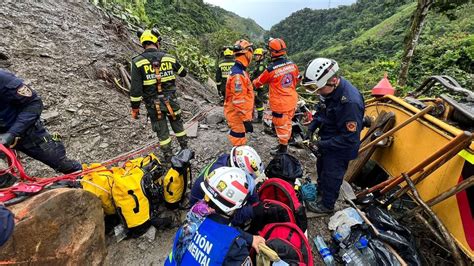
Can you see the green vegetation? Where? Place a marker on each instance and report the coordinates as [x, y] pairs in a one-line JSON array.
[[367, 39], [192, 30]]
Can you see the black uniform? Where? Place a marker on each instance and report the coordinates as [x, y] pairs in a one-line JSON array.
[[20, 112], [222, 73], [261, 93], [144, 87]]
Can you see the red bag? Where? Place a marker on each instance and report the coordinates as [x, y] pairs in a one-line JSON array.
[[280, 190], [289, 242]]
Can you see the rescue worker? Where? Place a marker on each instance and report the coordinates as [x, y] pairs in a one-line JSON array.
[[21, 128], [153, 75], [247, 159], [223, 70], [239, 96], [282, 76], [260, 93], [339, 118], [206, 237]]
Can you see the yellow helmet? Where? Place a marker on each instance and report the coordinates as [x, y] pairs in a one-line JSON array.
[[149, 36], [258, 51], [228, 52]]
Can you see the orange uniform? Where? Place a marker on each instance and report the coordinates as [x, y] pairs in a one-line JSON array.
[[238, 104], [282, 76]]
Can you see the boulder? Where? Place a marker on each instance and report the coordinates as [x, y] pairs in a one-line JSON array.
[[215, 116], [57, 227]]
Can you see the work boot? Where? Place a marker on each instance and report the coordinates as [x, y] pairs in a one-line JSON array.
[[167, 154], [318, 207], [183, 143], [282, 149], [259, 118]]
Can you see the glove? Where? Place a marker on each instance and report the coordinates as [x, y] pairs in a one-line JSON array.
[[248, 126], [135, 113], [7, 139]]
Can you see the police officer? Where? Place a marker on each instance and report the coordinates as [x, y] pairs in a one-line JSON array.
[[153, 80], [21, 128], [339, 119], [206, 237], [261, 93], [223, 70]]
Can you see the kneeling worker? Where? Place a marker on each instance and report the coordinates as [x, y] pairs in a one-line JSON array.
[[207, 239], [21, 128], [247, 159]]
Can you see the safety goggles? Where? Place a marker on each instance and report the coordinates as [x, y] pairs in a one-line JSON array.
[[312, 88]]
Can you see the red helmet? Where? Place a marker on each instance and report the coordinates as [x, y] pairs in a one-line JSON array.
[[277, 47]]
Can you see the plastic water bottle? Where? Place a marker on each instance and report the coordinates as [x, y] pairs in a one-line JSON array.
[[324, 250], [366, 252], [352, 256]]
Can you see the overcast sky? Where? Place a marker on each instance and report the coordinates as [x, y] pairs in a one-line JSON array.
[[269, 12]]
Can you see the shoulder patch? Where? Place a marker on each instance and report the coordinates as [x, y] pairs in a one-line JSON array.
[[24, 91], [351, 126], [344, 99], [238, 85]]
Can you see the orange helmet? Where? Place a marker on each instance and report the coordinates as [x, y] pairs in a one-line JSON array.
[[243, 51], [277, 47], [242, 46]]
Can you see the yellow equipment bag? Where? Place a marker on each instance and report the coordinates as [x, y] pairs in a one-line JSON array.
[[176, 180], [129, 196], [100, 183]]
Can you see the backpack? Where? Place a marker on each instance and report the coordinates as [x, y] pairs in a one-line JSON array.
[[289, 242], [100, 183], [286, 167], [280, 213], [129, 194], [176, 180], [280, 190]]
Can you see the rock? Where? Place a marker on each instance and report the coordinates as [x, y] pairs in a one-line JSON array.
[[103, 145], [150, 234], [72, 110], [188, 98], [57, 227], [215, 116], [49, 116], [203, 126]]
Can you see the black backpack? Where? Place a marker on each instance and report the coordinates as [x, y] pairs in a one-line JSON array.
[[284, 166]]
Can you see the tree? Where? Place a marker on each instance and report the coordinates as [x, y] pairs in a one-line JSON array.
[[411, 39]]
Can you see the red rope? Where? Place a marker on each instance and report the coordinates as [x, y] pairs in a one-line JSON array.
[[16, 168]]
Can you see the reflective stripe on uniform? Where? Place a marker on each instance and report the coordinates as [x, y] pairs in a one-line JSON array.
[[180, 134], [142, 62], [237, 134], [260, 108], [238, 101], [180, 70], [168, 78], [165, 142], [136, 99], [149, 82], [168, 59]]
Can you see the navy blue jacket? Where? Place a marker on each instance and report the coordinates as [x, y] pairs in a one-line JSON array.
[[241, 215], [339, 119], [20, 106]]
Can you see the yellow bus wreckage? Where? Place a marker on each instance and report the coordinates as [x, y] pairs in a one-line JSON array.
[[431, 142]]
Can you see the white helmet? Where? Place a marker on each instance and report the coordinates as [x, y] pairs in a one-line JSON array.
[[247, 159], [227, 187], [319, 71]]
